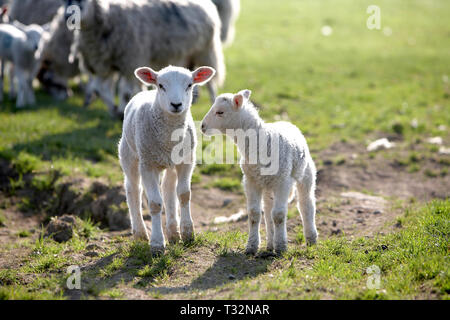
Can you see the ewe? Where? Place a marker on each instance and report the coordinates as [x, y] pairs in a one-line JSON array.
[[234, 115], [117, 36], [153, 122]]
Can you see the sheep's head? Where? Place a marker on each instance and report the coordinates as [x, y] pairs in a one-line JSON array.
[[175, 85], [225, 113]]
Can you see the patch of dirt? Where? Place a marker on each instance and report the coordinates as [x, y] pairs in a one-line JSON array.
[[356, 196]]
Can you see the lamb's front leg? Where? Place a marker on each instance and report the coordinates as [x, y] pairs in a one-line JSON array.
[[184, 172], [279, 215], [170, 205], [254, 196], [150, 179]]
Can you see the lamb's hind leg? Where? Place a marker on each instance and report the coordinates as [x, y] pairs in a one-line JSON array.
[[254, 195], [170, 204], [307, 206], [279, 215], [132, 187]]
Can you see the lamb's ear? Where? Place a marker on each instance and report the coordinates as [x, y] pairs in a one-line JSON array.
[[202, 75], [246, 94], [146, 75], [238, 101]]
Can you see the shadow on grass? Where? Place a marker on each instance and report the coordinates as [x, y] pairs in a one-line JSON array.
[[136, 267], [99, 137]]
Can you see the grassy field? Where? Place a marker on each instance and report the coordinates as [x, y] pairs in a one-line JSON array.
[[342, 90]]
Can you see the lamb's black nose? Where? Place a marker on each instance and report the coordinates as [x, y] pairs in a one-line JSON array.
[[176, 105]]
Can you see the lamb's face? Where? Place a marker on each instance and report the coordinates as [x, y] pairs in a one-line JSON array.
[[221, 116], [175, 85], [225, 113], [175, 90]]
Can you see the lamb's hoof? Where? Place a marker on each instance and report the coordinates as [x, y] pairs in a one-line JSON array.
[[266, 254], [251, 250], [141, 236], [279, 250], [157, 250], [187, 234], [174, 238], [311, 239]]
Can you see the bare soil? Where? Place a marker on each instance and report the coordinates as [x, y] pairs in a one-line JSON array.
[[357, 196]]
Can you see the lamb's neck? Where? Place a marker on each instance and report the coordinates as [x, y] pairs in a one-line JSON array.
[[250, 121]]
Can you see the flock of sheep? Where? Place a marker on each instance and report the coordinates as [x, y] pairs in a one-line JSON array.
[[115, 40]]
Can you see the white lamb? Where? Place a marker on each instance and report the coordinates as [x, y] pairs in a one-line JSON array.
[[147, 146], [235, 116], [18, 44]]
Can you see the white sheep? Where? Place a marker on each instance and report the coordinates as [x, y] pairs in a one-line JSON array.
[[229, 12], [33, 11], [117, 36], [18, 44], [148, 147], [235, 116]]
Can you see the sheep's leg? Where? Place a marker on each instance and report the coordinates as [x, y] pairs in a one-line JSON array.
[[170, 205], [104, 88], [22, 88], [254, 196], [30, 97], [268, 205], [133, 191], [306, 204], [212, 89], [2, 76], [150, 179], [12, 82], [184, 172], [279, 215]]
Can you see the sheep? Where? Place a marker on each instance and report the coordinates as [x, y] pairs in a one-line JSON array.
[[33, 11], [147, 147], [53, 55], [291, 167], [18, 44], [117, 36], [229, 12]]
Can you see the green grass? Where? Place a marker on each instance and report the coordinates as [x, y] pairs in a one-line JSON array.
[[354, 86], [411, 262], [349, 86]]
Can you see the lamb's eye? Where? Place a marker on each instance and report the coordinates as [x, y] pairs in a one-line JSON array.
[[162, 87], [219, 113]]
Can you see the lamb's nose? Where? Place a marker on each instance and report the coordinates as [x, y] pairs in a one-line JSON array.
[[203, 128], [176, 105]]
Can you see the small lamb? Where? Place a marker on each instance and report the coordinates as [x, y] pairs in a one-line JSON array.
[[18, 44], [232, 114], [156, 123]]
